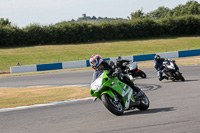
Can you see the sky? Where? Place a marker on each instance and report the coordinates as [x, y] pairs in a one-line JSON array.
[[45, 12]]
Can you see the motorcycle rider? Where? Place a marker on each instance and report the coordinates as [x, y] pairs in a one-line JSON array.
[[122, 63], [158, 64], [97, 63], [128, 66]]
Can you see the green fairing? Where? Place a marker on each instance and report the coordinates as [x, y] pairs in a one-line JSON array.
[[109, 92], [108, 88], [116, 95]]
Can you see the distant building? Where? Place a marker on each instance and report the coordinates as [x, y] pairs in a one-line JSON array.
[[95, 19], [84, 17]]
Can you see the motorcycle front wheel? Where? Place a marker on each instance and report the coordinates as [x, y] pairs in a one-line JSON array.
[[180, 77], [114, 107]]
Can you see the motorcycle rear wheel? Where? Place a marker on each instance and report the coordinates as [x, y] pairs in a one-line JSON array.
[[115, 108], [142, 74]]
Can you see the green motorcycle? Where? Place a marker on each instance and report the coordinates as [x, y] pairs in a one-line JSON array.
[[116, 95]]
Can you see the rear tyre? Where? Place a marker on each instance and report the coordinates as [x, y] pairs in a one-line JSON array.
[[142, 74], [144, 103], [113, 107]]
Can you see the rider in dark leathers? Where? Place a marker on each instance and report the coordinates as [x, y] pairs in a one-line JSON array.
[[158, 64], [122, 63], [99, 66]]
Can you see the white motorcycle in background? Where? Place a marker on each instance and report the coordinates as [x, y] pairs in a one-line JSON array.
[[135, 71]]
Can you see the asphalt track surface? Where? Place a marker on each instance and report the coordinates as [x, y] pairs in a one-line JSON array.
[[175, 107]]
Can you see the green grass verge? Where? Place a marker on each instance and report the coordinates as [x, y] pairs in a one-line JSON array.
[[61, 53], [13, 97]]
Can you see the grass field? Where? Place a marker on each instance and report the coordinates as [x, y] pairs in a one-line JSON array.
[[61, 53], [13, 97]]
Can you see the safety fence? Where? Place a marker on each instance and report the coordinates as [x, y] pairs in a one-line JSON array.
[[85, 63]]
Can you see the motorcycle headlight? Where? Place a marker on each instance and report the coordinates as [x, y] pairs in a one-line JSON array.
[[172, 65]]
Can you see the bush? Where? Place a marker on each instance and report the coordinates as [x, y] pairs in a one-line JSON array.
[[10, 36], [86, 32], [187, 25]]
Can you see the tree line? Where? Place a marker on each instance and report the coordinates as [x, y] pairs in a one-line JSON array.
[[190, 8], [73, 32]]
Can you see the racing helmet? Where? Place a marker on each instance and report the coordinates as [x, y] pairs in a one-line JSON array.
[[95, 61], [157, 58], [119, 58]]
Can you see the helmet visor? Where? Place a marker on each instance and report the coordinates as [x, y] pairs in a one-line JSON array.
[[93, 63]]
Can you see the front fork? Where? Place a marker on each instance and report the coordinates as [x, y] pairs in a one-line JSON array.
[[116, 99]]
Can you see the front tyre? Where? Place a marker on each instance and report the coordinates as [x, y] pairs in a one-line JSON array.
[[180, 77], [114, 107], [144, 103]]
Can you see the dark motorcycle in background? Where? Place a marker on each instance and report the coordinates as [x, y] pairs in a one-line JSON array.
[[171, 70]]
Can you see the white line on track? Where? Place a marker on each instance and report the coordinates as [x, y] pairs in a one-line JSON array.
[[86, 85]]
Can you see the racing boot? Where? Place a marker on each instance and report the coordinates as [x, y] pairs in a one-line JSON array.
[[138, 96], [165, 77], [137, 90], [138, 93]]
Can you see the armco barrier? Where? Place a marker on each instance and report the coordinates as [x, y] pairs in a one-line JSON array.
[[144, 57], [74, 64], [169, 54], [52, 66], [188, 53], [20, 69], [85, 63]]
